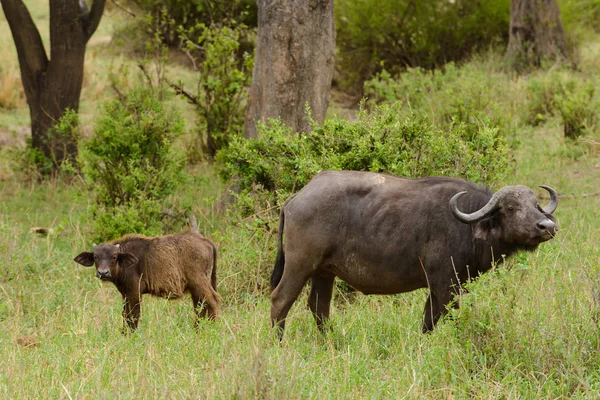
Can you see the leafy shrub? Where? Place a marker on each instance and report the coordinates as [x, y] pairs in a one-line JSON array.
[[130, 166], [220, 99], [470, 94], [277, 163], [540, 94], [36, 165], [576, 107], [185, 14], [563, 94], [392, 35]]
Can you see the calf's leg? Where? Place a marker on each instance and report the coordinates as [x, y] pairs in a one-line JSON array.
[[131, 311], [319, 300], [206, 301]]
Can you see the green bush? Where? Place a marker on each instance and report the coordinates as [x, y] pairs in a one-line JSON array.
[[220, 98], [36, 165], [172, 15], [565, 95], [472, 94], [395, 34], [130, 165], [575, 104], [277, 163]]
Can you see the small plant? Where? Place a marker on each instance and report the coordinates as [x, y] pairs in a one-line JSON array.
[[575, 107], [562, 94], [222, 78], [36, 165], [130, 165]]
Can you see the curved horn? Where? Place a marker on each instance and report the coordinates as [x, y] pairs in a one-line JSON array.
[[478, 215], [549, 209]]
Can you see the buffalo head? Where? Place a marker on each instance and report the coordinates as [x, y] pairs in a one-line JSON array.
[[513, 216], [108, 259]]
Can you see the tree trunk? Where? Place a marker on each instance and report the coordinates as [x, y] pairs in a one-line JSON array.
[[294, 63], [53, 85], [536, 34]]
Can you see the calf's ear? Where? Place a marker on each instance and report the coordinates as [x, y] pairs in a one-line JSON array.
[[86, 259], [126, 259]]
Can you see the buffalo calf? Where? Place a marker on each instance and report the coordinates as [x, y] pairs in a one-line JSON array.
[[164, 266]]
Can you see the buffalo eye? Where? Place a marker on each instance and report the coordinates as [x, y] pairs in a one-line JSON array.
[[511, 208]]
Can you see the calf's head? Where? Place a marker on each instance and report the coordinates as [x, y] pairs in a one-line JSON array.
[[513, 216], [108, 259]]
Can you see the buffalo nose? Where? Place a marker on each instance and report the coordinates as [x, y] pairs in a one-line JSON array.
[[103, 273], [547, 225]]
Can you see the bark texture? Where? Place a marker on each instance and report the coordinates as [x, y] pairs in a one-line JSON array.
[[294, 63], [53, 84], [536, 33]]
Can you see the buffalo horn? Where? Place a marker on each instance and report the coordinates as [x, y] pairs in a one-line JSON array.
[[549, 209], [480, 214]]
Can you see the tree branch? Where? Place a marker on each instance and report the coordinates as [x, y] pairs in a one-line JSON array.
[[33, 59], [179, 90], [91, 20]]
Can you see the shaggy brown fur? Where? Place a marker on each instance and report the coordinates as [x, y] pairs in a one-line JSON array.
[[164, 266]]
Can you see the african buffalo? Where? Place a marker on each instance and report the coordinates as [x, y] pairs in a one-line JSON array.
[[164, 266], [383, 234]]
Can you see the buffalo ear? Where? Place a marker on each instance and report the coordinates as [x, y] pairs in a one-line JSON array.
[[487, 229], [126, 259], [86, 259]]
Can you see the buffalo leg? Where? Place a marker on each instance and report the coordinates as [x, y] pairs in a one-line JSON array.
[[131, 311], [319, 300], [206, 302], [284, 295], [436, 307]]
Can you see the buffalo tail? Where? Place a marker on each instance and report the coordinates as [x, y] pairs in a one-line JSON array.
[[213, 275], [280, 260]]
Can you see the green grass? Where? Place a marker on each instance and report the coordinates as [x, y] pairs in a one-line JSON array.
[[528, 330]]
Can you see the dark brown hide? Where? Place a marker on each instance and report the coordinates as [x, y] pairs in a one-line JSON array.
[[164, 266], [383, 235]]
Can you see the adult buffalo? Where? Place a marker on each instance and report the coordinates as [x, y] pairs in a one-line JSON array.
[[383, 234]]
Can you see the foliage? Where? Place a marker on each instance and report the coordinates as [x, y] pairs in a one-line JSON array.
[[562, 93], [579, 17], [471, 94], [186, 15], [277, 163], [130, 165], [36, 165], [576, 107], [392, 35], [220, 100]]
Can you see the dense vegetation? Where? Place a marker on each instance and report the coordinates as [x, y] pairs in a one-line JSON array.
[[529, 329]]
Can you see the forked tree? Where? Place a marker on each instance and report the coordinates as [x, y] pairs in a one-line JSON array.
[[294, 62], [53, 84], [536, 34]]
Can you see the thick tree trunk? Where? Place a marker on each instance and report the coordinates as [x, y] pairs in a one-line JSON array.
[[53, 85], [536, 34], [294, 63]]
